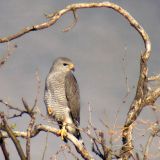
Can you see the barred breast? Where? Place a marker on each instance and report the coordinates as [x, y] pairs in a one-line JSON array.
[[55, 96]]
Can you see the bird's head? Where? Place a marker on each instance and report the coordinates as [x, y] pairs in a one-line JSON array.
[[63, 64]]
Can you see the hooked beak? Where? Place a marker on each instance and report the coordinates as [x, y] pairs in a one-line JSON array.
[[71, 67]]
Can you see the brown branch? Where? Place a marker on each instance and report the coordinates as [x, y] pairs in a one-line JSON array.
[[89, 130], [17, 115], [150, 139], [26, 106], [38, 84], [124, 66], [45, 147], [21, 112], [31, 113], [10, 106], [73, 7], [154, 130], [74, 22], [97, 150], [3, 147], [38, 128], [140, 98], [154, 78], [152, 96], [137, 105], [29, 130], [106, 150], [13, 137]]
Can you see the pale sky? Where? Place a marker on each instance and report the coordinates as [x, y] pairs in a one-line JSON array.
[[97, 45]]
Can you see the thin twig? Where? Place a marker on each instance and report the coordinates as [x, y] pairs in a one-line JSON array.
[[26, 106], [96, 150], [38, 84], [71, 152], [45, 147], [124, 66], [155, 128], [146, 151], [17, 115], [10, 106], [61, 149], [74, 22], [10, 49], [29, 130]]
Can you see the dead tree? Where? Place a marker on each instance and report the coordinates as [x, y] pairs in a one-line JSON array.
[[144, 96]]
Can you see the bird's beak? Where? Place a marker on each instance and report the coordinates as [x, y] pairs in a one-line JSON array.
[[71, 67]]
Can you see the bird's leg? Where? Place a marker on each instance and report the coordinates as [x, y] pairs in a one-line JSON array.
[[63, 132], [50, 110]]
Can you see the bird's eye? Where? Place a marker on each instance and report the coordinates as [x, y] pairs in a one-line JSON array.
[[65, 64]]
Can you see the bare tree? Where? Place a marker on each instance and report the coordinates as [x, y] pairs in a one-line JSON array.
[[145, 96]]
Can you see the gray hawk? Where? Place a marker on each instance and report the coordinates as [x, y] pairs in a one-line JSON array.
[[62, 98]]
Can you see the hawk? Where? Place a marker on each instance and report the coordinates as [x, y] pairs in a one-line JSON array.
[[62, 98]]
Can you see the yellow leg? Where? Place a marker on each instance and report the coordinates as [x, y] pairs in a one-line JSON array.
[[62, 132], [50, 110]]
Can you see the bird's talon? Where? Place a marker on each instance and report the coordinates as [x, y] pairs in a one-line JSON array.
[[63, 133], [50, 110]]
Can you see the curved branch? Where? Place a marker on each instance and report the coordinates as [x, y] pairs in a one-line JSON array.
[[38, 128], [73, 7], [138, 102]]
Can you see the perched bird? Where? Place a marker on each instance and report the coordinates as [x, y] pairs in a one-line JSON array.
[[62, 98]]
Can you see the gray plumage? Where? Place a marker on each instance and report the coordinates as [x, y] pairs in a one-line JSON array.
[[61, 95]]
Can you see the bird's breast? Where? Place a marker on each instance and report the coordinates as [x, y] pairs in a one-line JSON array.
[[56, 89]]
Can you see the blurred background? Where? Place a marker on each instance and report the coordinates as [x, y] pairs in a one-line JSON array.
[[104, 48]]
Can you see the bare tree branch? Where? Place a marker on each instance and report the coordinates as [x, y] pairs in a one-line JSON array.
[[143, 96], [13, 137], [154, 130], [10, 106], [45, 147], [106, 150], [38, 128], [74, 7], [96, 150], [3, 147], [10, 49], [154, 78], [74, 22], [29, 130]]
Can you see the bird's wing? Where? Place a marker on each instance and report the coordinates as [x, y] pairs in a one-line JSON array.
[[73, 98]]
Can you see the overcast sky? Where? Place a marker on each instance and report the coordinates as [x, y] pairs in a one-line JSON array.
[[97, 45]]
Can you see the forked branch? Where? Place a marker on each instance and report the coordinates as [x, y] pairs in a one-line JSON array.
[[143, 96], [39, 128], [12, 136], [73, 7]]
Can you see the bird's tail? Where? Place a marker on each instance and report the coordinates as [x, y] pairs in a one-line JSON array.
[[77, 134]]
